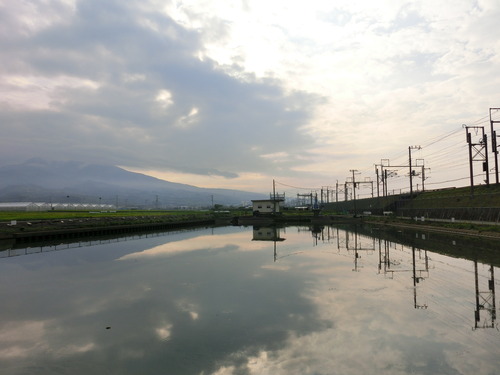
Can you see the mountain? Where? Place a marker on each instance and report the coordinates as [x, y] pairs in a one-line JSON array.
[[38, 180]]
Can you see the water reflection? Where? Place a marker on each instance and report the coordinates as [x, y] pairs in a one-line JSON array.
[[261, 300], [268, 234], [485, 300]]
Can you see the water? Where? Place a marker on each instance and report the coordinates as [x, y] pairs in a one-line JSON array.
[[243, 300]]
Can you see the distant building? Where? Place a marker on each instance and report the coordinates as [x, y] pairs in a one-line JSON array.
[[53, 206], [272, 205], [24, 206]]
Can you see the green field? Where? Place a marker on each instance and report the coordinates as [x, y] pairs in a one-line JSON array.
[[60, 215]]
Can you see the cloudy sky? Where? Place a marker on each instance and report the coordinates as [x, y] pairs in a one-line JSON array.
[[234, 94]]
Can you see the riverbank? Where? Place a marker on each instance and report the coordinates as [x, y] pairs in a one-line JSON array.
[[24, 232], [469, 228], [28, 232]]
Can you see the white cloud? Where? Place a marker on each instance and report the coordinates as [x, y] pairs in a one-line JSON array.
[[164, 98]]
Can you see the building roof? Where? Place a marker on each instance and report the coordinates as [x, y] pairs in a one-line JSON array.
[[267, 200]]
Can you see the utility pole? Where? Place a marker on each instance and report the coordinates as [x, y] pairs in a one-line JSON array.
[[274, 196], [409, 160], [479, 149], [420, 163], [387, 172], [354, 189], [423, 176], [385, 183], [494, 147], [381, 176]]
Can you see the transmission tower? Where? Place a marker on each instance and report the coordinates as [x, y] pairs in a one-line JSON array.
[[478, 151], [494, 145]]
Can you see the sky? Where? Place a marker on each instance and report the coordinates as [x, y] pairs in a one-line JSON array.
[[236, 94]]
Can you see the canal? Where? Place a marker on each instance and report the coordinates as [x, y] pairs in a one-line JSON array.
[[253, 300]]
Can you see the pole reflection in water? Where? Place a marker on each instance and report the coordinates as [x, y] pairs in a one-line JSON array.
[[253, 300], [485, 300], [359, 245]]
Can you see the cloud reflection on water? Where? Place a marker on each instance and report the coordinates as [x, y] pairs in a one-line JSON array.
[[223, 304]]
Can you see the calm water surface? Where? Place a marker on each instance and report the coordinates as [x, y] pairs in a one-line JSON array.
[[243, 300]]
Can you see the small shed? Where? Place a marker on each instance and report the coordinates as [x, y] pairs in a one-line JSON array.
[[272, 205]]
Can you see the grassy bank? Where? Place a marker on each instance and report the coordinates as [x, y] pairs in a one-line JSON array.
[[66, 215], [30, 223], [57, 220]]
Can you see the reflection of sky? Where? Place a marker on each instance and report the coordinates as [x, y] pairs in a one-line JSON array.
[[215, 302]]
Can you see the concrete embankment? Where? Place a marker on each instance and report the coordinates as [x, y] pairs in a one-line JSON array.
[[24, 234]]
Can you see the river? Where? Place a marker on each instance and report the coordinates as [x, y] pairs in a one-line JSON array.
[[252, 300]]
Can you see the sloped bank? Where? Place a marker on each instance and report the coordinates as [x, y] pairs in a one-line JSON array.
[[26, 234], [481, 204]]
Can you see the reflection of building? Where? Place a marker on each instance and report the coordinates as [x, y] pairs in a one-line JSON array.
[[267, 234], [272, 205]]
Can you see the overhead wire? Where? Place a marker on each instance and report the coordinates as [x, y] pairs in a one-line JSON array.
[[438, 159], [441, 138]]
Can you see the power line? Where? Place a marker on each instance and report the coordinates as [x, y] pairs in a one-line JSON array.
[[296, 187], [440, 138], [458, 179]]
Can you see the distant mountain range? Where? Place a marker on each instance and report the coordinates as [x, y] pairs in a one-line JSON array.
[[38, 180]]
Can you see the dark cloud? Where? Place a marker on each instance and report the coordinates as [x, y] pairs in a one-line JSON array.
[[215, 124]]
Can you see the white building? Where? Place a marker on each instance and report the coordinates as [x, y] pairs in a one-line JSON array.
[[24, 206], [55, 206], [273, 205]]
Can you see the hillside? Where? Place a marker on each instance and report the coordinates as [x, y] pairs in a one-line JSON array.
[[38, 180], [457, 203]]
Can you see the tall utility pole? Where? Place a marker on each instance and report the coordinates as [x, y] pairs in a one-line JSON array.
[[420, 163], [325, 192], [385, 172], [354, 189], [409, 160], [494, 147], [477, 152]]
